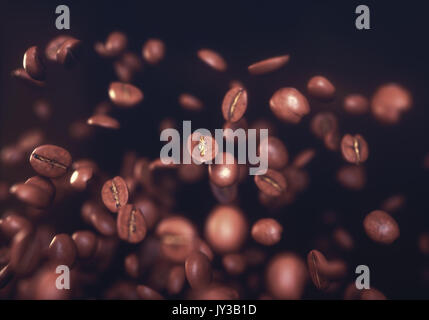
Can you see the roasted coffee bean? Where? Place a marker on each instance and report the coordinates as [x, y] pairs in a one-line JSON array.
[[323, 123], [297, 178], [101, 220], [131, 265], [115, 44], [229, 130], [105, 121], [25, 77], [354, 148], [25, 253], [332, 140], [80, 177], [198, 270], [389, 102], [69, 53], [234, 104], [394, 203], [226, 229], [272, 183], [321, 88], [356, 104], [234, 263], [289, 105], [50, 161], [30, 139], [125, 95], [381, 227], [146, 293], [6, 275], [343, 239], [268, 65], [212, 59], [178, 237], [303, 158], [149, 209], [62, 250], [352, 177], [86, 243], [127, 66], [267, 231], [286, 276], [33, 63], [224, 174], [34, 195], [176, 280], [11, 224], [53, 46], [45, 286], [114, 194], [153, 51], [278, 155], [131, 224], [202, 148], [322, 272], [190, 102]]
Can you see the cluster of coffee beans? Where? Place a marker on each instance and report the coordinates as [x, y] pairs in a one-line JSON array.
[[133, 230]]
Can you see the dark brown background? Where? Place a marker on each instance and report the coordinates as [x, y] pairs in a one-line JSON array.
[[321, 39]]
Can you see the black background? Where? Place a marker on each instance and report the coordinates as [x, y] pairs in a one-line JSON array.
[[321, 38]]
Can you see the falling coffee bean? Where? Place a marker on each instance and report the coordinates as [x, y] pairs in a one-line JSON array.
[[267, 231], [321, 88], [289, 105], [50, 161], [234, 104], [190, 102], [268, 65], [356, 104], [272, 183], [322, 272], [125, 95], [33, 63], [86, 243], [104, 121], [198, 270], [69, 53], [213, 59], [153, 51], [354, 148], [114, 194], [62, 250], [381, 227], [131, 224]]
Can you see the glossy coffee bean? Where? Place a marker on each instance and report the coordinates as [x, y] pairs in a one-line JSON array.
[[149, 209], [226, 173], [381, 227], [153, 51], [352, 177], [178, 237], [202, 148], [303, 158], [322, 272], [23, 76], [69, 53], [343, 239], [101, 220], [226, 229], [354, 148], [289, 105], [356, 104], [114, 194], [80, 177], [6, 276], [332, 140], [45, 286], [104, 121], [278, 155], [176, 280], [286, 276], [125, 95], [321, 88], [272, 183], [131, 265], [146, 293], [267, 231], [62, 250], [190, 102], [32, 195], [86, 243], [116, 43], [234, 104], [198, 270], [212, 59], [234, 264], [131, 224], [50, 161], [324, 123], [25, 253], [268, 65], [13, 223], [389, 102], [53, 46], [33, 63]]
